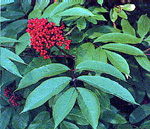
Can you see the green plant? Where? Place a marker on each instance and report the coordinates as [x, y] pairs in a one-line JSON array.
[[73, 88]]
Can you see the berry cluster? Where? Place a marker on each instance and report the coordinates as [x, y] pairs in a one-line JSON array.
[[14, 98], [46, 34]]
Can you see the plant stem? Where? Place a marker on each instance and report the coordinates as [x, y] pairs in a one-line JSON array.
[[147, 50], [69, 32], [114, 24]]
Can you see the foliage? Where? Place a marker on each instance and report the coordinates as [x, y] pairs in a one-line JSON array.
[[100, 81]]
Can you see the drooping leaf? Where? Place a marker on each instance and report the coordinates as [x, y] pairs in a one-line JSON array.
[[144, 62], [139, 113], [77, 116], [39, 120], [100, 2], [3, 19], [65, 103], [45, 91], [81, 23], [38, 73], [20, 121], [143, 25], [89, 105], [101, 67], [118, 61], [122, 14], [41, 5], [127, 28], [76, 11], [5, 118], [24, 41], [108, 86], [113, 15], [128, 7], [7, 40], [125, 48], [100, 55], [68, 125], [99, 17], [112, 117], [85, 52], [118, 38]]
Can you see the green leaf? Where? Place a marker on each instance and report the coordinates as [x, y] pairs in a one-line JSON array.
[[125, 48], [100, 55], [112, 117], [77, 116], [145, 125], [118, 38], [128, 7], [38, 73], [99, 17], [101, 67], [3, 19], [139, 113], [36, 63], [122, 14], [101, 126], [35, 13], [7, 40], [24, 41], [85, 52], [91, 19], [100, 2], [81, 23], [39, 120], [143, 25], [26, 5], [68, 125], [124, 126], [143, 62], [108, 86], [45, 91], [3, 2], [113, 15], [5, 118], [118, 61], [147, 39], [127, 28], [20, 121], [76, 11], [65, 103], [89, 105], [40, 4]]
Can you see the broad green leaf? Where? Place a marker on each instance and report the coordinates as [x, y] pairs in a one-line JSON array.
[[127, 28], [7, 40], [65, 103], [145, 125], [89, 105], [100, 2], [113, 15], [39, 120], [85, 52], [118, 38], [49, 9], [3, 19], [122, 14], [124, 126], [77, 116], [38, 73], [10, 55], [76, 11], [20, 121], [99, 10], [101, 126], [112, 117], [100, 55], [26, 5], [91, 19], [144, 62], [143, 25], [45, 91], [139, 113], [41, 4], [36, 63], [5, 118], [81, 23], [125, 48], [10, 66], [3, 2], [99, 17], [35, 13], [24, 41], [128, 7], [108, 86], [56, 19], [68, 125], [147, 39], [118, 61], [101, 67]]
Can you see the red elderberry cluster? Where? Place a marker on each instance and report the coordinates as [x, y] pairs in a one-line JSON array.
[[46, 34], [14, 98]]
